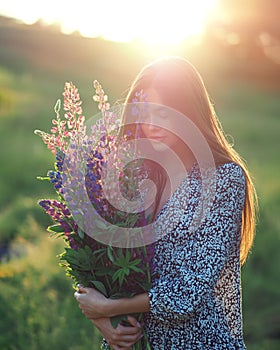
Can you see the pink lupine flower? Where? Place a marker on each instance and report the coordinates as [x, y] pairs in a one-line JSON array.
[[63, 130], [100, 97], [73, 109]]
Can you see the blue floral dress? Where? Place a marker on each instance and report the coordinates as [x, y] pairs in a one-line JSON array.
[[195, 299]]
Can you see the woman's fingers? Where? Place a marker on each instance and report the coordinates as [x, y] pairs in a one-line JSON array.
[[122, 336], [132, 320], [127, 330]]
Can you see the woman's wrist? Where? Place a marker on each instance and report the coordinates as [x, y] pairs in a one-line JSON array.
[[112, 307], [108, 307], [137, 304]]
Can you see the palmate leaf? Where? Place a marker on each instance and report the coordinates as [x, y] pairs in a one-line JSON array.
[[82, 258], [119, 275]]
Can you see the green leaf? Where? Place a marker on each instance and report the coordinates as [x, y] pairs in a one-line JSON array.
[[99, 251], [104, 271], [119, 275], [136, 269], [128, 255], [100, 286], [55, 228], [110, 254], [116, 320], [135, 262], [81, 233]]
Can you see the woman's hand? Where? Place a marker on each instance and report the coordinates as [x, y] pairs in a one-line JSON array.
[[122, 337], [92, 302], [96, 305]]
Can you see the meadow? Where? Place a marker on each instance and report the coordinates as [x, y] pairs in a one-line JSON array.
[[37, 307]]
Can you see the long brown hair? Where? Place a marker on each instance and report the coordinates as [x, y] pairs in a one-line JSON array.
[[181, 87]]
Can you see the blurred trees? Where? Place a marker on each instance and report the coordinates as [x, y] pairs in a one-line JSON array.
[[249, 32]]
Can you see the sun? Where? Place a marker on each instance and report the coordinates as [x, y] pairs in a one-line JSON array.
[[173, 21], [150, 21]]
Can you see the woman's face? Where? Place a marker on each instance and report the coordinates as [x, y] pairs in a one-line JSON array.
[[157, 123]]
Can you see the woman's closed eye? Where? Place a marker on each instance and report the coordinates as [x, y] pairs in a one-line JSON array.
[[155, 116]]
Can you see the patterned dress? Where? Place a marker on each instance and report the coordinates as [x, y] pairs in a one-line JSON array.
[[195, 299]]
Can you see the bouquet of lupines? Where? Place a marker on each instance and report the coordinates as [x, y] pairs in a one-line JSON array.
[[78, 178]]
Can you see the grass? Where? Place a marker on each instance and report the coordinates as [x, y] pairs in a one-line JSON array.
[[252, 116], [38, 310]]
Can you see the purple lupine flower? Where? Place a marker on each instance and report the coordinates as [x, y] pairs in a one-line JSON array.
[[60, 156], [56, 179], [73, 244], [56, 210]]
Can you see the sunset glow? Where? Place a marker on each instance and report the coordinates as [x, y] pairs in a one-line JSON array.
[[153, 22]]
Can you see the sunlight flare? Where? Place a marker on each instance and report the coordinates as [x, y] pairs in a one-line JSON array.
[[152, 22]]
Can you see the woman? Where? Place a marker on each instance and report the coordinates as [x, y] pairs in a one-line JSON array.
[[194, 302]]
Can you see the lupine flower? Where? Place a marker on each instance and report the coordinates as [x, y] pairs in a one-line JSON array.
[[56, 179], [63, 130], [57, 210], [100, 97], [139, 109], [60, 156], [59, 135], [73, 109]]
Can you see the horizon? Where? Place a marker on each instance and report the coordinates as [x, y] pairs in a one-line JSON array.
[[164, 25]]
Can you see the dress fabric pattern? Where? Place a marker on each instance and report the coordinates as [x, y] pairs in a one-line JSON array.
[[195, 299]]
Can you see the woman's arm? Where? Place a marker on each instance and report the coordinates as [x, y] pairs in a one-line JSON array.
[[96, 305], [137, 304]]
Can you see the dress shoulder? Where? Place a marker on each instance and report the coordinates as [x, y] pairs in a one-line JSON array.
[[231, 172], [230, 186]]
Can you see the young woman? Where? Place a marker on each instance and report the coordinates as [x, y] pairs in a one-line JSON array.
[[195, 299]]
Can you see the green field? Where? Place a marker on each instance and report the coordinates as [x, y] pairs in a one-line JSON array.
[[37, 307]]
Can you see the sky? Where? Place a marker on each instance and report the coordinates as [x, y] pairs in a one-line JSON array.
[[151, 21]]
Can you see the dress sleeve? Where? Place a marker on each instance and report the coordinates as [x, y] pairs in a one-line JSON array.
[[189, 282]]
